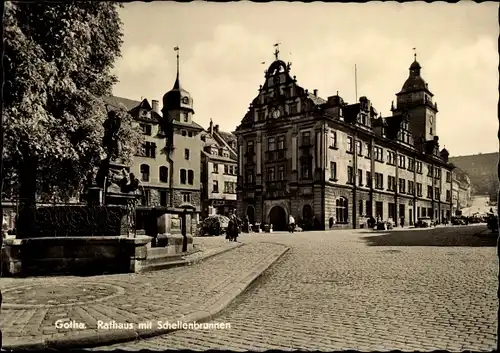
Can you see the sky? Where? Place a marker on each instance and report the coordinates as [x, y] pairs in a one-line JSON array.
[[222, 47]]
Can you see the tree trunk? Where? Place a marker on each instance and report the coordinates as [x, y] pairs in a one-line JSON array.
[[25, 225]]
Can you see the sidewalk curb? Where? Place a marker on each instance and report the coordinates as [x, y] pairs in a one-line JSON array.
[[184, 262], [103, 338]]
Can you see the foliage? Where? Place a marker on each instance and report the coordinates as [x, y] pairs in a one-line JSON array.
[[58, 61]]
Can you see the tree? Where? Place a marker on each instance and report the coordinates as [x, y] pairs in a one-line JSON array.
[[58, 65]]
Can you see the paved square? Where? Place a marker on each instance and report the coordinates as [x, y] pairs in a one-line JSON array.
[[344, 290]]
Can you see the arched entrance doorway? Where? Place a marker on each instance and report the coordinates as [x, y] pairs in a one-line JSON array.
[[251, 214], [307, 212], [277, 217]]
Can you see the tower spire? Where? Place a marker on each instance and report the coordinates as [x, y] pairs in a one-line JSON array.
[[177, 84]]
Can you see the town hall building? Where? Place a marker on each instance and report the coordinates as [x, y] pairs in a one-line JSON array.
[[336, 163]]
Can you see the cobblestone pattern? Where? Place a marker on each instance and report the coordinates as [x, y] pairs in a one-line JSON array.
[[332, 291], [160, 295]]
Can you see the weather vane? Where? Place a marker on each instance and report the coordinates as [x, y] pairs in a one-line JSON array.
[[415, 53], [277, 51]]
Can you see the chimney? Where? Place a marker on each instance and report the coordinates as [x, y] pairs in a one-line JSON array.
[[216, 128], [315, 92], [211, 128], [156, 106]]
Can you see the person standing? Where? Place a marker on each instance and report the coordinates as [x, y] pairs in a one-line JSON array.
[[291, 224]]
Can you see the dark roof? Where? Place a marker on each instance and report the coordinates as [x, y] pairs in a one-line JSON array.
[[118, 101], [192, 125], [219, 158], [315, 99], [227, 136], [393, 125]]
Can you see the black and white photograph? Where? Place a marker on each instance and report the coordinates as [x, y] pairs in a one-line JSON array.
[[249, 176]]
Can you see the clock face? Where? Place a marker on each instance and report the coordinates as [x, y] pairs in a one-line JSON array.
[[185, 100], [276, 114]]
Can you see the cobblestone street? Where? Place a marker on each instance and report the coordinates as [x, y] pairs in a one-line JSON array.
[[31, 306], [345, 290]]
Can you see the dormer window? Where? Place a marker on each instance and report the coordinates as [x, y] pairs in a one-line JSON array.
[[146, 129], [185, 100], [185, 117]]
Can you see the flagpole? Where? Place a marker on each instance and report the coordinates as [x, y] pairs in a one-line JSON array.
[[356, 81]]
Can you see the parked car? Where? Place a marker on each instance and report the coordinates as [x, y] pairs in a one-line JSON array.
[[457, 221], [423, 222], [493, 223], [214, 225]]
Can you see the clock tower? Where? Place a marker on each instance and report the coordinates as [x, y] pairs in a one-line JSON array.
[[415, 98]]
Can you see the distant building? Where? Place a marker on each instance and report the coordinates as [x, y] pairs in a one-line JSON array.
[[218, 172], [483, 172], [461, 193], [339, 163]]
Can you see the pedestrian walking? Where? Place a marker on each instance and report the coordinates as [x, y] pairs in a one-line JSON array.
[[291, 224]]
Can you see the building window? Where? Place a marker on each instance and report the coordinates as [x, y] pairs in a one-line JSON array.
[[391, 158], [190, 177], [333, 170], [163, 198], [186, 197], [379, 154], [306, 138], [293, 108], [429, 192], [216, 168], [163, 174], [226, 169], [419, 167], [333, 139], [183, 132], [250, 146], [183, 176], [146, 129], [379, 181], [402, 186], [342, 210], [271, 176], [144, 172], [402, 161], [368, 151], [305, 168], [190, 134], [411, 164], [360, 177], [448, 195], [350, 175], [359, 148], [271, 144], [349, 144], [437, 193], [215, 186], [145, 197], [186, 154], [249, 176], [419, 189], [411, 187], [437, 173], [360, 205], [185, 116], [391, 183], [281, 143], [281, 172], [149, 149], [448, 177], [429, 170]]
